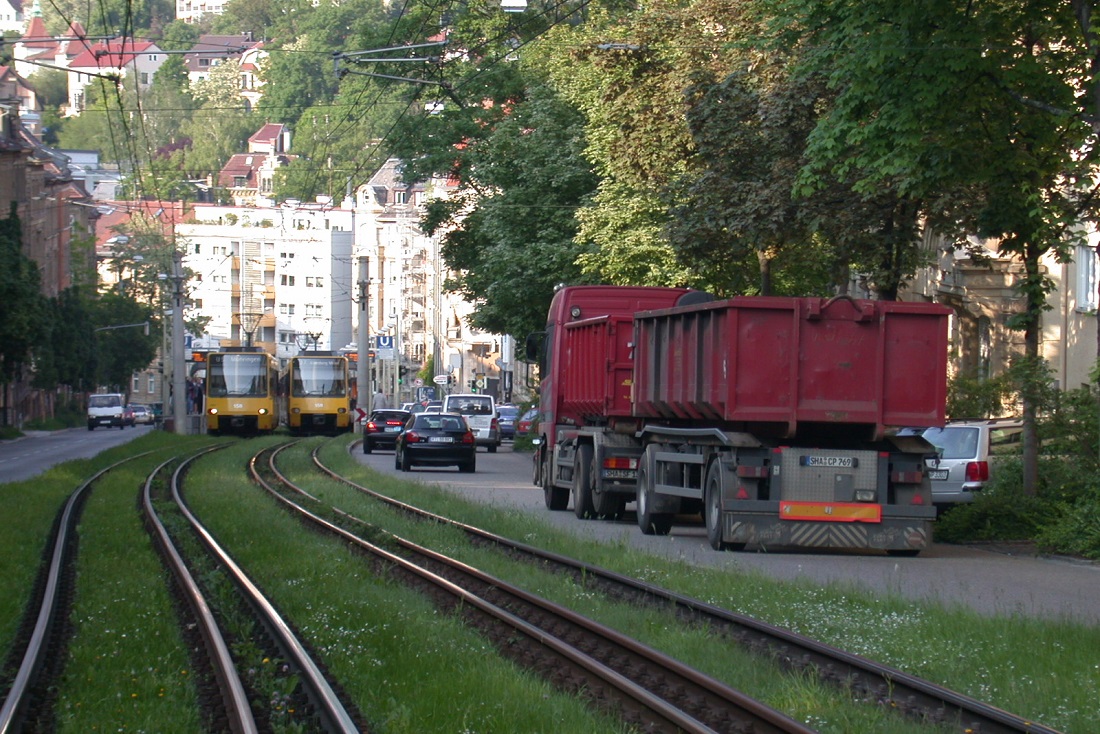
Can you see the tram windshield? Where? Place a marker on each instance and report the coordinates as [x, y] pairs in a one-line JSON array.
[[238, 375], [318, 377]]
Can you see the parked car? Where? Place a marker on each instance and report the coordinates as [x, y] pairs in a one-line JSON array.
[[527, 421], [142, 415], [480, 411], [507, 415], [381, 427], [966, 454], [436, 439]]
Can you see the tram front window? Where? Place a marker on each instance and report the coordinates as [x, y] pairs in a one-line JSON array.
[[318, 377], [239, 375]]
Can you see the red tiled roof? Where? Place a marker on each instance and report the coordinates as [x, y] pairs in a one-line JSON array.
[[113, 54]]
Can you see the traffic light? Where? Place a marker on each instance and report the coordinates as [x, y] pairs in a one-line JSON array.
[[473, 386]]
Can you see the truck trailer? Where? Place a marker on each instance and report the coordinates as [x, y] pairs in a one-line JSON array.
[[775, 418]]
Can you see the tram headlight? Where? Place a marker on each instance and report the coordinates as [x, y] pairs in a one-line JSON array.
[[262, 411], [213, 411]]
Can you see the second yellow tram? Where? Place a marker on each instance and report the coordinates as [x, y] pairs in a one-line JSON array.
[[318, 393]]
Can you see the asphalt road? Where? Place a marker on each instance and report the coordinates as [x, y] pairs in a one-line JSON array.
[[36, 452], [989, 582]]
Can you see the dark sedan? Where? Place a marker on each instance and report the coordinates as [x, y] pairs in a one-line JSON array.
[[381, 428], [436, 439], [507, 416]]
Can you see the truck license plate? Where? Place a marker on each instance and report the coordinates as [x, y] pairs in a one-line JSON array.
[[838, 462], [937, 474]]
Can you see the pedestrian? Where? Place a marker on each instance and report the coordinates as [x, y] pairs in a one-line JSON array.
[[379, 401]]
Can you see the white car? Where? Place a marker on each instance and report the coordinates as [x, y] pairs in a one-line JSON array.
[[480, 411]]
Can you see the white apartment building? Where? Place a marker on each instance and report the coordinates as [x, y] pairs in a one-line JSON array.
[[407, 298], [278, 277]]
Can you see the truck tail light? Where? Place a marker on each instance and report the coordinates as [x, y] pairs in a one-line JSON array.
[[620, 462], [977, 471]]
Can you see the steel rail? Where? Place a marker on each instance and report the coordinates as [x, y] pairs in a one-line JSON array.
[[333, 713], [724, 707], [893, 687], [234, 697], [17, 701]]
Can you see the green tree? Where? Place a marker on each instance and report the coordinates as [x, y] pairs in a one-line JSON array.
[[515, 246], [121, 352], [24, 307], [68, 356], [981, 113]]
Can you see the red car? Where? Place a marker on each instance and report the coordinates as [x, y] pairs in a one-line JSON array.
[[527, 422], [381, 429]]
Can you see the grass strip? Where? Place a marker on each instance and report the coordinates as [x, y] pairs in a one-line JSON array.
[[127, 667], [408, 667], [1045, 670]]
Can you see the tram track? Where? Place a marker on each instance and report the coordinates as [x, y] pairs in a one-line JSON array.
[[862, 679], [321, 707], [228, 702], [639, 684]]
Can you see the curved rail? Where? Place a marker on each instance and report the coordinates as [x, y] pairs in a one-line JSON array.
[[600, 658], [234, 698], [332, 712], [891, 686], [56, 587]]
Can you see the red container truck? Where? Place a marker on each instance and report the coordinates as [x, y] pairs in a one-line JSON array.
[[775, 418]]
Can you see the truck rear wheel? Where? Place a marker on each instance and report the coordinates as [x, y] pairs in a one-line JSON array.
[[582, 482], [608, 505], [712, 506], [651, 523], [555, 498]]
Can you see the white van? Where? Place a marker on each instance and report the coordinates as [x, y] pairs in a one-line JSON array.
[[105, 409], [480, 412]]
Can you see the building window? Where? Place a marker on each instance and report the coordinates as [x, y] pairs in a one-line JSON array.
[[144, 78], [136, 385], [240, 181], [152, 384], [1086, 278], [286, 309], [315, 282], [399, 197], [286, 279], [204, 62], [198, 249]]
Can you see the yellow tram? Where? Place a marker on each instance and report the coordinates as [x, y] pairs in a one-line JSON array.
[[318, 393], [242, 391]]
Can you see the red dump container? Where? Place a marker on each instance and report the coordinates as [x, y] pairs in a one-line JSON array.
[[793, 361], [595, 343]]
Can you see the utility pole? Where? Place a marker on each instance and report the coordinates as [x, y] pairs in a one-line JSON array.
[[362, 374], [179, 366]]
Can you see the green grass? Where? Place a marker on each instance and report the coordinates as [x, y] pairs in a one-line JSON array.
[[412, 669], [408, 667], [127, 667]]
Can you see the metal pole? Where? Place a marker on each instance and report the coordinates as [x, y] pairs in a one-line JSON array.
[[362, 374], [179, 366]]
